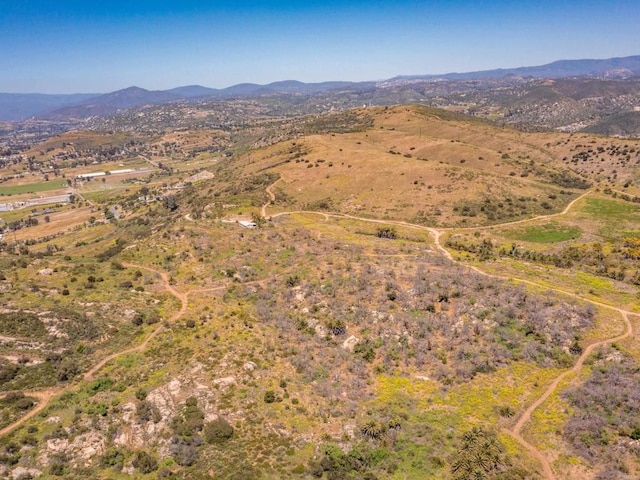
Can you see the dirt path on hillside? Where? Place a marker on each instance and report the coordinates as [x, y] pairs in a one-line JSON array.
[[525, 417], [45, 396], [524, 220], [183, 297], [272, 198]]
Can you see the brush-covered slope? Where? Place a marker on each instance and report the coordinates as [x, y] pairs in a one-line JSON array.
[[172, 342]]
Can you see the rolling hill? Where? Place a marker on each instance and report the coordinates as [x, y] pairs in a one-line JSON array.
[[416, 294]]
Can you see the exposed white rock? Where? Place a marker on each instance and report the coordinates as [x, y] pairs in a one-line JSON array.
[[350, 429], [225, 381], [321, 330], [22, 472], [88, 447], [84, 449], [128, 411], [350, 343], [57, 445], [174, 386]]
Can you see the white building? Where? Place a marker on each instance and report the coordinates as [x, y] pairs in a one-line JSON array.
[[247, 224]]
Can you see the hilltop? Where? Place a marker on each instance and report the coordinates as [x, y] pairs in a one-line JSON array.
[[420, 165]]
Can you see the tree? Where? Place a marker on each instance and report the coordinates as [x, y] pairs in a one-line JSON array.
[[218, 431], [190, 420], [113, 457], [336, 326], [479, 456], [258, 219], [372, 429], [184, 454], [145, 462], [170, 203], [269, 396], [386, 232]]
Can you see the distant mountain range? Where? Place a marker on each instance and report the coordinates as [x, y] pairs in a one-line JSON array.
[[20, 106], [16, 107], [622, 67]]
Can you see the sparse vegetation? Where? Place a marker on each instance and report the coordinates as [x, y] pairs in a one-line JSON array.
[[336, 340]]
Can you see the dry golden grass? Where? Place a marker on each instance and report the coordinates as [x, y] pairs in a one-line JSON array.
[[413, 165], [60, 222]]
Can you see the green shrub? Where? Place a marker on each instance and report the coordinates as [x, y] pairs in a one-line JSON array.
[[218, 431], [386, 232], [113, 457], [145, 462]]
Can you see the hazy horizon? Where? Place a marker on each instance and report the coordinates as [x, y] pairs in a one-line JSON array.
[[77, 47]]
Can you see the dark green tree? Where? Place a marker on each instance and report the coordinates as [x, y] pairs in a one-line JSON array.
[[218, 431], [479, 456], [145, 462]]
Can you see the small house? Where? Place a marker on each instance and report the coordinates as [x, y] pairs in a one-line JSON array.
[[247, 224]]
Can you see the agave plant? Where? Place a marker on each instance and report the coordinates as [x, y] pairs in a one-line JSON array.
[[372, 429]]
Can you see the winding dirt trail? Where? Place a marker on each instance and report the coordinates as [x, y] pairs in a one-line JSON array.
[[183, 297], [272, 198], [525, 416], [524, 220], [45, 396]]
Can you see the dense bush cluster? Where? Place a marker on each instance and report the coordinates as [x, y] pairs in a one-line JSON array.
[[605, 426], [448, 323], [619, 263]]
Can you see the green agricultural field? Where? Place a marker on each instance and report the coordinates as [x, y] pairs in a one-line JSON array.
[[545, 233], [33, 188]]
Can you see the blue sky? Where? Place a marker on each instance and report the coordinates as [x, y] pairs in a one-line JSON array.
[[65, 46]]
